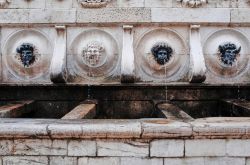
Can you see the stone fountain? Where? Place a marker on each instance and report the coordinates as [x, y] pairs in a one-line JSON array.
[[124, 82]]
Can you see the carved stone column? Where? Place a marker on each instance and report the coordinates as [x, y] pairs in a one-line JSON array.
[[197, 61], [128, 62], [58, 72]]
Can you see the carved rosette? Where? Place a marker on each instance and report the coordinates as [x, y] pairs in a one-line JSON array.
[[4, 3], [193, 3], [226, 53], [161, 55], [93, 3]]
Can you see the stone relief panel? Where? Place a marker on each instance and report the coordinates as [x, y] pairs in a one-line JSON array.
[[93, 55], [161, 55], [226, 53], [193, 3], [93, 3], [26, 55]]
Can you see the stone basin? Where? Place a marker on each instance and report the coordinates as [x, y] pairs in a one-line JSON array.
[[192, 135]]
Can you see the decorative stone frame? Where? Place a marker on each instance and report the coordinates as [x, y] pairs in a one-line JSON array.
[[14, 70], [147, 67]]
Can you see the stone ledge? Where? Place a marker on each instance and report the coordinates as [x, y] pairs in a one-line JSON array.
[[219, 128], [125, 15], [207, 128], [187, 15], [163, 128], [240, 15]]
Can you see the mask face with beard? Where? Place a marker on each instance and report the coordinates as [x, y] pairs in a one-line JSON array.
[[93, 53], [26, 54], [228, 53], [162, 53]]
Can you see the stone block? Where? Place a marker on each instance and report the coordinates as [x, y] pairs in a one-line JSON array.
[[243, 3], [20, 129], [59, 4], [6, 147], [163, 128], [158, 3], [121, 129], [52, 16], [130, 3], [141, 161], [112, 15], [82, 148], [248, 161], [224, 161], [99, 161], [238, 148], [184, 161], [63, 131], [167, 148], [40, 147], [34, 4], [240, 16], [63, 161], [86, 129], [25, 160], [205, 148], [217, 128], [14, 16], [187, 15], [122, 149], [223, 4]]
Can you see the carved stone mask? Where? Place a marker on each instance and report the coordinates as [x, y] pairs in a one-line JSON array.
[[92, 53], [162, 53], [228, 53], [26, 54]]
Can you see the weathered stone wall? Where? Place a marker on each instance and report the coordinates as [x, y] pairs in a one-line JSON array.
[[119, 11], [63, 34], [136, 142], [60, 29], [123, 152]]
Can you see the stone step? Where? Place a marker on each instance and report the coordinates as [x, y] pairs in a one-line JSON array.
[[15, 109], [170, 111], [85, 110]]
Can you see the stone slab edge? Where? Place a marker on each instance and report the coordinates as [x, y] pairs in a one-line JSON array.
[[125, 15], [208, 128]]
